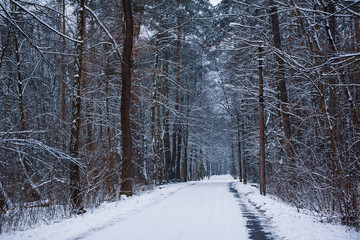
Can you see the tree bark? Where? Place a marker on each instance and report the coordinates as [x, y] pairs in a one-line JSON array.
[[262, 125], [184, 176], [63, 74], [111, 156], [76, 198], [243, 145], [282, 90], [167, 150], [160, 144], [176, 130], [178, 153], [138, 10], [127, 171], [244, 176], [19, 84], [173, 155], [154, 138], [239, 149]]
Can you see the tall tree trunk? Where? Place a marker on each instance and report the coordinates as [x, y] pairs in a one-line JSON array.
[[138, 150], [232, 159], [191, 167], [262, 125], [173, 155], [111, 156], [154, 143], [356, 123], [90, 143], [167, 150], [201, 165], [19, 85], [160, 144], [282, 91], [154, 107], [178, 157], [186, 142], [76, 198], [176, 128], [127, 171], [239, 148], [196, 170], [63, 74], [243, 162]]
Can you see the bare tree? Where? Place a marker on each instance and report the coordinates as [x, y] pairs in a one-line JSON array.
[[127, 171], [262, 124], [76, 102]]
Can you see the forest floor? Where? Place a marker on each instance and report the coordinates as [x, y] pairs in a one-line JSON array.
[[219, 209]]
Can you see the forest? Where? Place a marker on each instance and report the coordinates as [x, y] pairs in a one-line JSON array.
[[100, 99]]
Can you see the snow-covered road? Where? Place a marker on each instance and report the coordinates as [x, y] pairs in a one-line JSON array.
[[204, 210], [216, 209]]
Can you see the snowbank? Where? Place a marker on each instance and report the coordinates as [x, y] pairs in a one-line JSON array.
[[288, 223]]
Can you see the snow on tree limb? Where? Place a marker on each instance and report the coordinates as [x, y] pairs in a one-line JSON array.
[[45, 24]]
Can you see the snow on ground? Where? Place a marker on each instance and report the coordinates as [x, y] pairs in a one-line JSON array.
[[288, 223], [98, 218], [194, 210], [191, 211]]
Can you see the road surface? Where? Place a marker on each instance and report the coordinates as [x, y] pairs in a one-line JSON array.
[[208, 210]]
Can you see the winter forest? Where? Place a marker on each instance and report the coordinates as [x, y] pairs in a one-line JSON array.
[[100, 99]]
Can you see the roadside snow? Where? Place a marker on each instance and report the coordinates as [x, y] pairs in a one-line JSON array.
[[105, 215], [288, 223]]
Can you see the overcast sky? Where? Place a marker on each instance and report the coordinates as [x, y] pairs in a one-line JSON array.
[[214, 2]]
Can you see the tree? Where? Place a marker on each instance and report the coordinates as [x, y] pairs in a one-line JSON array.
[[75, 174], [262, 178], [282, 90], [127, 171]]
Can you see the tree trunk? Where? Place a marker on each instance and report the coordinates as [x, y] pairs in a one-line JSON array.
[[127, 171], [19, 84], [138, 150], [167, 150], [201, 165], [160, 144], [63, 74], [154, 107], [76, 198], [232, 160], [111, 156], [191, 167], [176, 153], [186, 143], [239, 149], [243, 151], [262, 125], [282, 91], [173, 155]]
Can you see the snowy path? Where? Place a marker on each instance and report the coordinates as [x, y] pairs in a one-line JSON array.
[[204, 210], [215, 209]]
